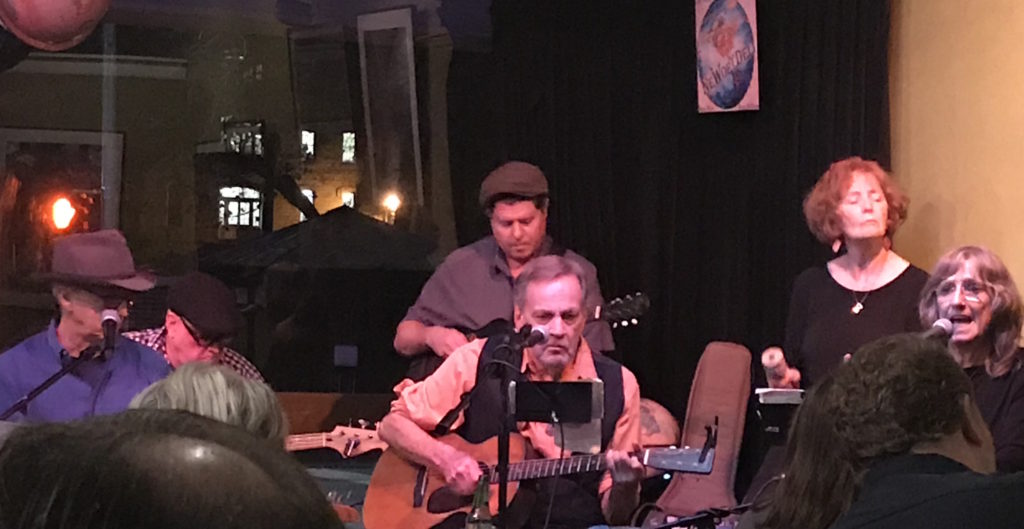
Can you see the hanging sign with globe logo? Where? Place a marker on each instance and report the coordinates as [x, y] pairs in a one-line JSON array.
[[726, 55]]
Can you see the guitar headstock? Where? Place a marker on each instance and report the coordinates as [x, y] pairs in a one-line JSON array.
[[624, 311], [351, 441], [692, 460]]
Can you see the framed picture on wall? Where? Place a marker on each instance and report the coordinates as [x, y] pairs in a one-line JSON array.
[[727, 69], [390, 111]]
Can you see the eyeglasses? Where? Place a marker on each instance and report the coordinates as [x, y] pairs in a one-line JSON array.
[[972, 289]]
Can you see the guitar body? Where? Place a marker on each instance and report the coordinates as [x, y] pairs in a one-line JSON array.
[[407, 495]]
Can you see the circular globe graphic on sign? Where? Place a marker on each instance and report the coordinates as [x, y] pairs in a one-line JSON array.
[[725, 53]]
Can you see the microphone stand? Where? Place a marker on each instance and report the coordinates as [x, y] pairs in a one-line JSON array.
[[514, 347], [22, 404], [507, 424]]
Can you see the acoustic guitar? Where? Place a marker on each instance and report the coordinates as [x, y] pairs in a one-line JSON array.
[[411, 496]]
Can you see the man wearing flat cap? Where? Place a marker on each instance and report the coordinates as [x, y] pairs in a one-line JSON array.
[[90, 273], [473, 286], [202, 318]]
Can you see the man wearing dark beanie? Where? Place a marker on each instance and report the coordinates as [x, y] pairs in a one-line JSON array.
[[472, 288], [202, 318]]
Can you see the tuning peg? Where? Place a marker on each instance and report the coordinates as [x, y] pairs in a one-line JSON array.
[[625, 323], [634, 321], [363, 423]]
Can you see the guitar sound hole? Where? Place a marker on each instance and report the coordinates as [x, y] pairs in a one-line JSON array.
[[446, 500]]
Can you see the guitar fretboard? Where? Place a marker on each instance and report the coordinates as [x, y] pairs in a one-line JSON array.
[[306, 441], [546, 468]]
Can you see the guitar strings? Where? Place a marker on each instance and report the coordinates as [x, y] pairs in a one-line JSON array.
[[561, 456]]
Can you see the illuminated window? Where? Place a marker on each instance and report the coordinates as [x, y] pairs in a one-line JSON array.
[[244, 137], [311, 196], [348, 198], [348, 147], [308, 144], [240, 206]]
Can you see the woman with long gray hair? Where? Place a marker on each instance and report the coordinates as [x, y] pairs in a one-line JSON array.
[[972, 288]]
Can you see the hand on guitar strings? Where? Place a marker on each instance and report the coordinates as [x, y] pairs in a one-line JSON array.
[[624, 467], [461, 472], [443, 340]]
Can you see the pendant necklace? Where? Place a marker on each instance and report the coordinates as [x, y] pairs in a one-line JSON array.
[[858, 303]]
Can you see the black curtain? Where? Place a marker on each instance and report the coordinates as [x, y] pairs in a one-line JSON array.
[[700, 211]]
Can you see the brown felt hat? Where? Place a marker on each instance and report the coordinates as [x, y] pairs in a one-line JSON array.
[[518, 179], [96, 259]]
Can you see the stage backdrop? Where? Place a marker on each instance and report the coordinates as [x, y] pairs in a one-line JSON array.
[[701, 211]]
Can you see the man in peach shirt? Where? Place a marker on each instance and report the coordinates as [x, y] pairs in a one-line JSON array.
[[549, 293]]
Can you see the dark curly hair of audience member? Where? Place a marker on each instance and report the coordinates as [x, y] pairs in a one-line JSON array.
[[822, 203], [160, 469], [897, 392], [894, 394]]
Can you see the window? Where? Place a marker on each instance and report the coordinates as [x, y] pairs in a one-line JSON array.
[[348, 147], [240, 206], [308, 144], [245, 137], [348, 198], [311, 196]]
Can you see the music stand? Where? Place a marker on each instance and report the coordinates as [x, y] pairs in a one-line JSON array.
[[547, 402], [775, 409]]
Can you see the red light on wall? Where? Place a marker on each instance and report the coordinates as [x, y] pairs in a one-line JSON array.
[[62, 213]]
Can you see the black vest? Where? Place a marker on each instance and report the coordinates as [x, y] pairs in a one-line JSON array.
[[576, 502]]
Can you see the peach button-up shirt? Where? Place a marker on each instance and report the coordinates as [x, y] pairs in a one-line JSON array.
[[426, 402]]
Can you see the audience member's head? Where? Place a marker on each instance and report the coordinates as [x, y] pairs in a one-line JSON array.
[[155, 469], [219, 393], [897, 395], [904, 393]]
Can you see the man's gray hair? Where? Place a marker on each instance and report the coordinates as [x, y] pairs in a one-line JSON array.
[[219, 393], [547, 268]]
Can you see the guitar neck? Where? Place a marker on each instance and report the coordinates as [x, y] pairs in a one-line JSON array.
[[305, 441], [546, 468]]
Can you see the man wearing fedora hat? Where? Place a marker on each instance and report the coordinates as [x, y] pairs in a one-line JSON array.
[[202, 318], [90, 273], [473, 286]]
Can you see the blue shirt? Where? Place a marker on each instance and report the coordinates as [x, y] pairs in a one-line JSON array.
[[95, 387]]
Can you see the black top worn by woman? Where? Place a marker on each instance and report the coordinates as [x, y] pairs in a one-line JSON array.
[[823, 326], [1001, 401]]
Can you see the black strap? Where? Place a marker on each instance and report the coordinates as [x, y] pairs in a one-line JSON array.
[[445, 425], [485, 363]]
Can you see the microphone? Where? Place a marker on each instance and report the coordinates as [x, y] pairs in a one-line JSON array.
[[942, 329], [529, 336], [111, 319]]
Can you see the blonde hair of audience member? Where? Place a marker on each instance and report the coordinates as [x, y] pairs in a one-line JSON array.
[[219, 393]]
